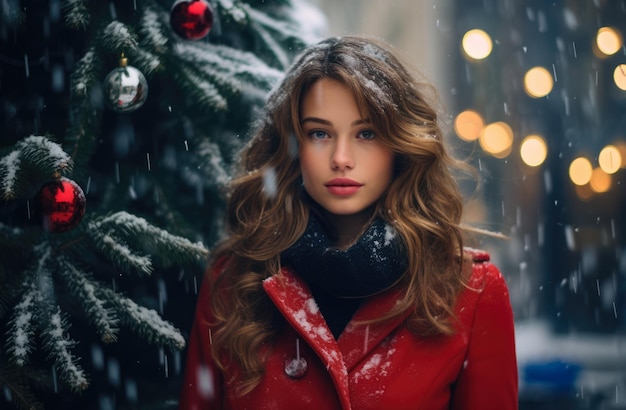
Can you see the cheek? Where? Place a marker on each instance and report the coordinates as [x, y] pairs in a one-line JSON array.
[[386, 168]]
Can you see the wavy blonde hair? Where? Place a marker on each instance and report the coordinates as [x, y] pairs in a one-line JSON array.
[[423, 202]]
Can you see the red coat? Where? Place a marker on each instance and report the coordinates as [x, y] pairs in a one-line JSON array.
[[379, 366]]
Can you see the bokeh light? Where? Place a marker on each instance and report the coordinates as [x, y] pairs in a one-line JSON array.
[[619, 76], [538, 82], [584, 192], [477, 44], [497, 139], [610, 159], [533, 150], [621, 148], [600, 181], [608, 40], [468, 125], [580, 171]]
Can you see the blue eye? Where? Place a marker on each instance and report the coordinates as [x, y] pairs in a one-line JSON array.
[[367, 135], [318, 135]]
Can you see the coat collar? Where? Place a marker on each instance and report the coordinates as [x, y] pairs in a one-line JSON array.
[[294, 300]]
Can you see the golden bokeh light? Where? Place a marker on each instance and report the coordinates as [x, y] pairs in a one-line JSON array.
[[621, 148], [610, 159], [600, 181], [477, 44], [584, 192], [580, 171], [538, 82], [468, 125], [533, 150], [497, 139], [619, 76], [608, 40]]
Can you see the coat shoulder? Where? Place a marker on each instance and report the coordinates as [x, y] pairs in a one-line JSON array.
[[477, 255], [483, 272]]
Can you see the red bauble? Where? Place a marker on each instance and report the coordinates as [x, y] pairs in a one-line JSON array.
[[60, 205], [191, 19]]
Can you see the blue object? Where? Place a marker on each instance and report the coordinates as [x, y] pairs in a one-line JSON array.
[[556, 376]]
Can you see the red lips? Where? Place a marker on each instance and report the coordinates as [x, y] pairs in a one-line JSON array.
[[343, 186]]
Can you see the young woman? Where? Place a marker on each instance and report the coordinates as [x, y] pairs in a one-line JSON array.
[[344, 282]]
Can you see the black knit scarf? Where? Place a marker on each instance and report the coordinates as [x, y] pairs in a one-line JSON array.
[[341, 278]]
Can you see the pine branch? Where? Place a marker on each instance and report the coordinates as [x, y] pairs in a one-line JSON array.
[[54, 329], [232, 10], [14, 378], [117, 251], [21, 332], [203, 93], [117, 37], [145, 61], [210, 161], [32, 153], [170, 249], [10, 165], [262, 24], [84, 116], [86, 72], [228, 71], [35, 286], [152, 26], [76, 13], [86, 291], [145, 322]]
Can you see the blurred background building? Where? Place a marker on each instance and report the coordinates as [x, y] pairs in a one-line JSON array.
[[534, 95]]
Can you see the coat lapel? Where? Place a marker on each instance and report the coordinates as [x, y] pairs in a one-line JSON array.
[[359, 339], [294, 300]]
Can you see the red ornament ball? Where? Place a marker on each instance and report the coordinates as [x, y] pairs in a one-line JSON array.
[[191, 19], [60, 205]]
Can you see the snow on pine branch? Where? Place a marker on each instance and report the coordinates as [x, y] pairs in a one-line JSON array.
[[85, 72], [246, 65], [85, 290], [231, 70], [76, 13], [58, 344], [168, 248], [202, 92], [145, 61], [145, 322], [9, 167], [211, 164], [152, 27], [233, 11], [21, 332], [117, 37], [118, 252], [35, 288], [263, 24], [37, 152]]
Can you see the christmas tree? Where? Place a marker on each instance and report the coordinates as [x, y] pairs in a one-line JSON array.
[[120, 121]]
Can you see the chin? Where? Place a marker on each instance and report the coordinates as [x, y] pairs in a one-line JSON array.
[[345, 211]]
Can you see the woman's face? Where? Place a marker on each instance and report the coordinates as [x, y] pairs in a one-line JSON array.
[[344, 166]]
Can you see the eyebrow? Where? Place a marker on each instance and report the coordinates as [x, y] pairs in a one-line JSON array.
[[326, 122]]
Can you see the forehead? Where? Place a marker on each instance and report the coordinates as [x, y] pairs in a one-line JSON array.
[[330, 97]]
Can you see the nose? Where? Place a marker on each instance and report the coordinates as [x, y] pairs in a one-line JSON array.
[[342, 156]]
